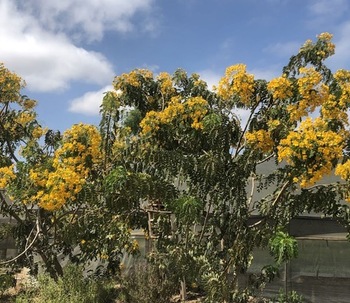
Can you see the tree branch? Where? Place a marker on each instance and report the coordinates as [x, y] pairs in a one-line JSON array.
[[244, 130], [27, 247], [3, 130], [265, 159], [6, 208], [272, 204], [250, 198]]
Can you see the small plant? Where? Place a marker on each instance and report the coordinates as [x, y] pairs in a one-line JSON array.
[[146, 283], [72, 287], [6, 281], [283, 247], [291, 297]]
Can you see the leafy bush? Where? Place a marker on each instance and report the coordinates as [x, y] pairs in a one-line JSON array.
[[291, 297], [72, 287], [6, 281], [148, 283]]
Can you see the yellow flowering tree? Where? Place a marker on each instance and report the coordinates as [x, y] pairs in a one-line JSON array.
[[204, 165], [169, 141], [53, 186]]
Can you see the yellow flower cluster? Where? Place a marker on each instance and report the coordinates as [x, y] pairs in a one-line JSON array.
[[150, 123], [166, 84], [10, 84], [336, 105], [260, 139], [134, 78], [307, 45], [280, 88], [6, 175], [38, 177], [237, 83], [198, 82], [193, 110], [343, 170], [329, 47], [313, 93], [324, 46], [343, 78], [28, 104], [38, 132], [311, 150], [25, 117], [71, 166], [273, 124], [196, 109], [174, 110], [333, 110]]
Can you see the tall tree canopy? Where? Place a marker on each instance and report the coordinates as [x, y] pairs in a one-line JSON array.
[[170, 140]]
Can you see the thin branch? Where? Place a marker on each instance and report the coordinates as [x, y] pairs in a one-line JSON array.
[[266, 159], [257, 223], [5, 108], [250, 198], [244, 130], [273, 203], [280, 193], [7, 208], [12, 153], [28, 247], [205, 222]]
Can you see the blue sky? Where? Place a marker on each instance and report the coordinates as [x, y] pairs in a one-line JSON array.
[[69, 51]]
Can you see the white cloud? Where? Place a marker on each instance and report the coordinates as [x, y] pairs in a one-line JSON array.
[[212, 78], [89, 103], [325, 14], [330, 9], [47, 61], [92, 17], [266, 73]]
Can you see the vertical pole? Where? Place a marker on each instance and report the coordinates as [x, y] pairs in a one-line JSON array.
[[286, 278]]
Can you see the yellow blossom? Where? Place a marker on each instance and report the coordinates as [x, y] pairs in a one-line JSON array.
[[24, 118], [6, 175], [312, 93], [311, 150], [135, 78], [280, 88], [38, 132], [29, 104], [260, 139], [166, 84], [237, 83], [71, 167]]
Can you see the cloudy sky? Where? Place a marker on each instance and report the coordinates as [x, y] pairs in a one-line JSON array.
[[69, 51]]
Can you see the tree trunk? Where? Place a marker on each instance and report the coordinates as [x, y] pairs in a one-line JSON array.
[[183, 291], [52, 266]]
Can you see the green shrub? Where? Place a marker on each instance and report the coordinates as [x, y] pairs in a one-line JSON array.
[[7, 280], [72, 287], [291, 297], [148, 283]]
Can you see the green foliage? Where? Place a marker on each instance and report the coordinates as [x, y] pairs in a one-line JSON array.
[[72, 287], [133, 120], [146, 283], [6, 230], [283, 247], [187, 209], [291, 297], [182, 148], [7, 280]]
